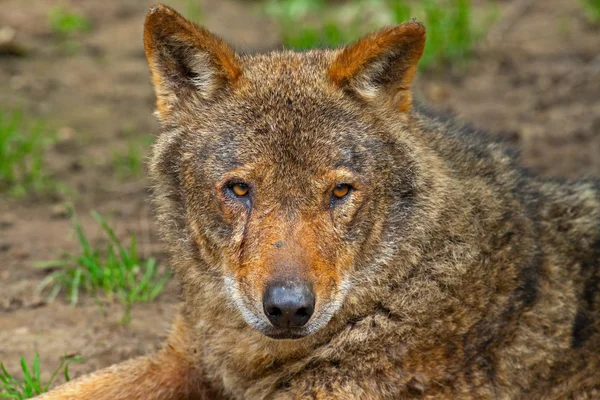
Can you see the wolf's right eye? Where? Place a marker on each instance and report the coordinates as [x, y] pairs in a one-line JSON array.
[[340, 191]]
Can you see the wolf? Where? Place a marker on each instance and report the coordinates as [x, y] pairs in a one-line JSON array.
[[333, 240]]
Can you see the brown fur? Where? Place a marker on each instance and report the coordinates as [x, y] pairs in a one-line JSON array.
[[448, 272]]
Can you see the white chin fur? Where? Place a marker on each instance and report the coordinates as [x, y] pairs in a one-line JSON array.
[[260, 323]]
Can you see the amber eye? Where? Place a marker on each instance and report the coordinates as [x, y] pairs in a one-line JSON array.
[[239, 189], [341, 190]]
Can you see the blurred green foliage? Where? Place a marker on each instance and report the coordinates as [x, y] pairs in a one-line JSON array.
[[65, 22], [193, 10], [451, 31], [592, 8], [22, 147], [304, 24], [130, 163]]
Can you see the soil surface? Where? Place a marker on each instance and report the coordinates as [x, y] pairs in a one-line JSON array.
[[534, 79]]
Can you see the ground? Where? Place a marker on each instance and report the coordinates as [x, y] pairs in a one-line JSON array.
[[535, 79]]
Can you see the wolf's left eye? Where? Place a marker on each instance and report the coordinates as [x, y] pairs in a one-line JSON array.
[[239, 189], [341, 190]]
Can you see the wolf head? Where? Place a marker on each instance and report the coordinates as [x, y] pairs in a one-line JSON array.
[[279, 174]]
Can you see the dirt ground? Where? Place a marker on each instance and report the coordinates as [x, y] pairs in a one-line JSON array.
[[535, 79]]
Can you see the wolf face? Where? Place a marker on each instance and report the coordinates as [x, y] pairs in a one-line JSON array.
[[282, 163]]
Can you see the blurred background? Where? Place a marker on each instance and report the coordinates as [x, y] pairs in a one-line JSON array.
[[82, 272]]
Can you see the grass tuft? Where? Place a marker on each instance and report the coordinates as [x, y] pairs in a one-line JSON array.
[[22, 148], [31, 385], [115, 273]]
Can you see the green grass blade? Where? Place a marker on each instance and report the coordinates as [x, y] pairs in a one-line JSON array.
[[69, 362], [160, 285], [36, 374], [75, 287]]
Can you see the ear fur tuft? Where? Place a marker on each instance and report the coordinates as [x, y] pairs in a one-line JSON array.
[[184, 58], [381, 65]]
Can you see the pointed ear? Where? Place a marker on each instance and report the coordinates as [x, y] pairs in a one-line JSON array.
[[185, 59], [381, 66]]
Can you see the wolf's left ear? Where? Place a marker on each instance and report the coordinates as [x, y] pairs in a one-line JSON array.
[[381, 66], [185, 59]]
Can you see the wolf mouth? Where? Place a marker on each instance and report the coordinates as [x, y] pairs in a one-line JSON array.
[[283, 334]]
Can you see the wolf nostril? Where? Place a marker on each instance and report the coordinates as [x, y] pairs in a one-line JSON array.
[[274, 311], [302, 312], [288, 304], [274, 314]]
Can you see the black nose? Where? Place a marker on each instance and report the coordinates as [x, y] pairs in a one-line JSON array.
[[288, 304]]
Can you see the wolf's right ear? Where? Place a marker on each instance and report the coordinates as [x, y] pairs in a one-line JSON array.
[[185, 59]]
